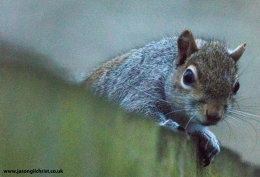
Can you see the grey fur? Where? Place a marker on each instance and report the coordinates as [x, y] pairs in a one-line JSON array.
[[138, 83]]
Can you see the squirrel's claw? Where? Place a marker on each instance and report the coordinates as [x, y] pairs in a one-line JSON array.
[[208, 146], [170, 124]]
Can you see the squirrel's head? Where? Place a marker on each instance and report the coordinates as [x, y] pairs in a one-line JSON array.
[[207, 77]]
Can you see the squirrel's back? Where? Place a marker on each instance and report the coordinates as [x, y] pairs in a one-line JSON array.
[[130, 78]]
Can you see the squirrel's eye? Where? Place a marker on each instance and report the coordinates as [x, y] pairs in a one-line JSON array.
[[236, 87], [188, 77]]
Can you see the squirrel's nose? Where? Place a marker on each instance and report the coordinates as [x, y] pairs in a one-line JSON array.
[[213, 117]]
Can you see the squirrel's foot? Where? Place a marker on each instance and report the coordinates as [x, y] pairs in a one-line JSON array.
[[208, 146], [170, 124]]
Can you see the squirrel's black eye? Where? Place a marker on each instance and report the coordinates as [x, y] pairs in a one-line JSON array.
[[188, 77], [236, 87]]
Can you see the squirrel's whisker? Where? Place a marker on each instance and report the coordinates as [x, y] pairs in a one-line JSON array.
[[250, 124], [229, 116], [190, 120], [247, 113], [248, 106], [235, 118], [246, 98], [245, 116], [247, 109], [229, 128], [180, 110], [245, 120]]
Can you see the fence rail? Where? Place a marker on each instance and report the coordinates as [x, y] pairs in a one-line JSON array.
[[46, 123]]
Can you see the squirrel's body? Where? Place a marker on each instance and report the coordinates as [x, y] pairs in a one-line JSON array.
[[150, 80], [138, 81]]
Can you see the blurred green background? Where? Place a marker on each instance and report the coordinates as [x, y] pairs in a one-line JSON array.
[[80, 35]]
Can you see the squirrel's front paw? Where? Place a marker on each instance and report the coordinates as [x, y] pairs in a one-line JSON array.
[[208, 146]]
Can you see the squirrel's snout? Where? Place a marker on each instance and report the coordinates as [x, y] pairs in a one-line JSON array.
[[213, 117], [213, 111]]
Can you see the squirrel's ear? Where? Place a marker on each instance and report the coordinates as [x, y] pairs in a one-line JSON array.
[[186, 46], [238, 52]]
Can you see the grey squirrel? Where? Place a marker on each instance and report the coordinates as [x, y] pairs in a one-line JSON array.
[[181, 82]]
